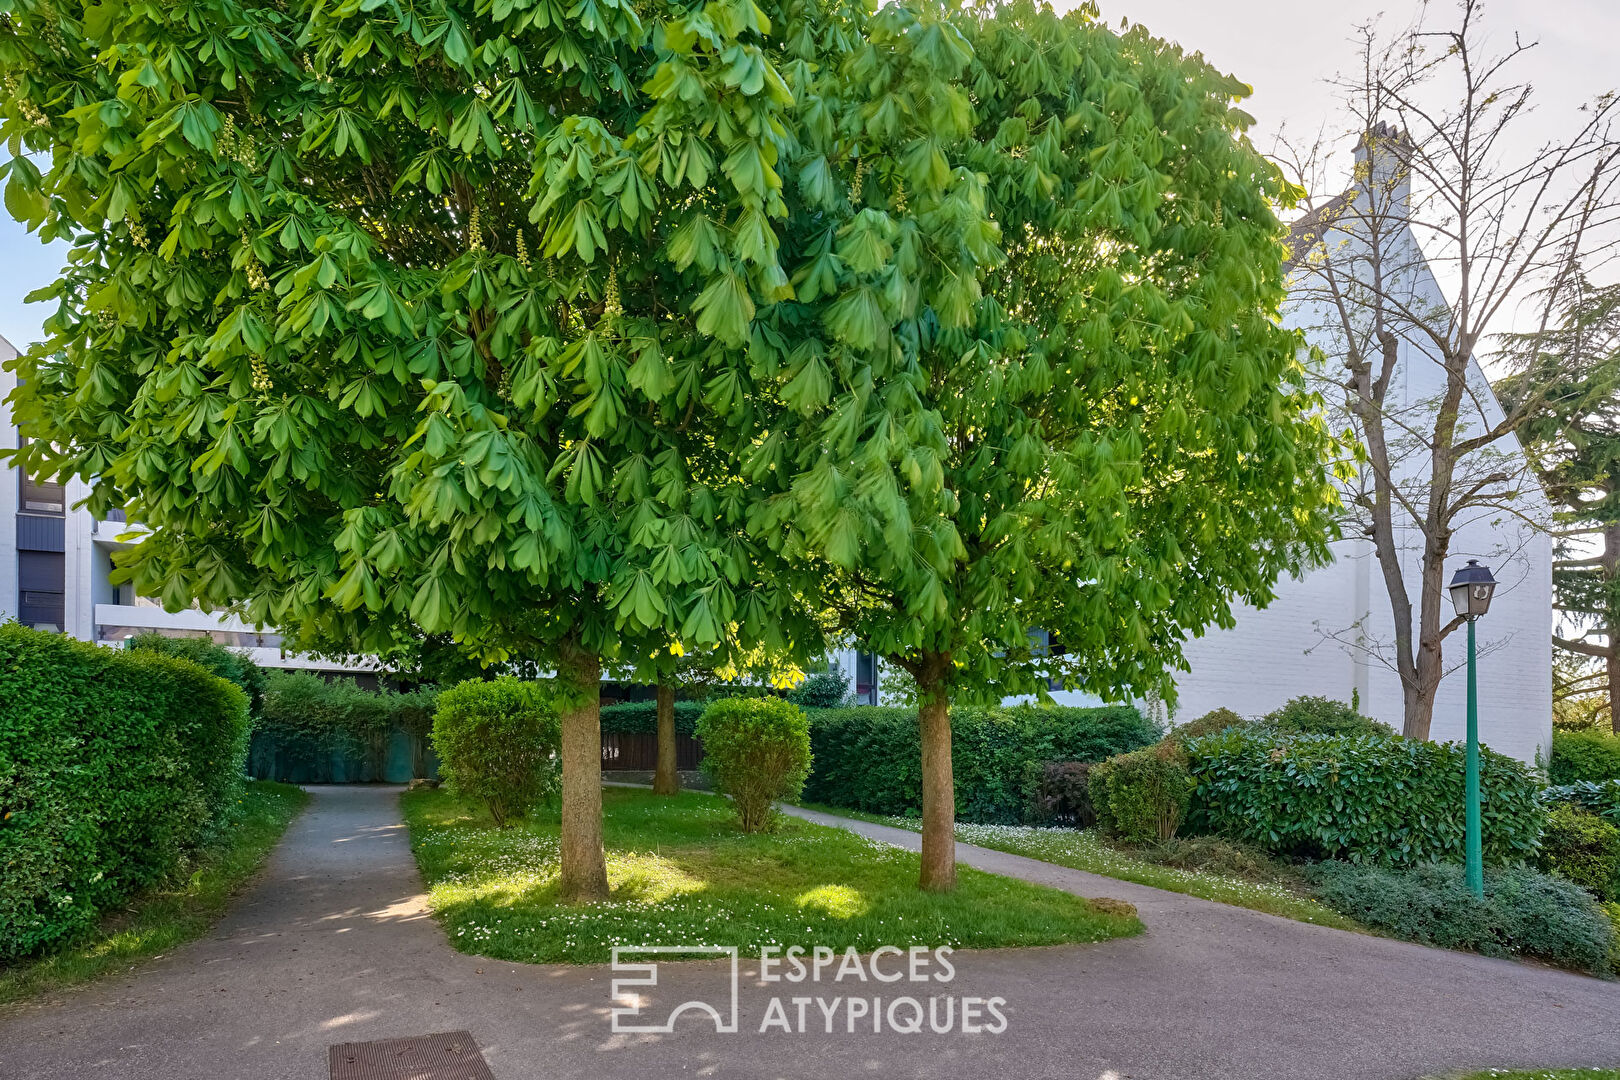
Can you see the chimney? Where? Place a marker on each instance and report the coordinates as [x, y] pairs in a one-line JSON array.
[[1382, 168]]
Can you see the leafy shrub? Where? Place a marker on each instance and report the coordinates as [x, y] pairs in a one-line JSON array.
[[1584, 755], [1215, 720], [870, 758], [498, 742], [1581, 847], [1612, 910], [1142, 796], [115, 767], [641, 717], [758, 751], [1367, 798], [1524, 913], [821, 690], [1324, 716], [1602, 798], [229, 664], [1059, 792]]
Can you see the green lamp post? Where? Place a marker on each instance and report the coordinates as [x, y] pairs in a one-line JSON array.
[[1471, 588]]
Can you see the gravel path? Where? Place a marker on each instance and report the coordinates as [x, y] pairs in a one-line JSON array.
[[334, 944]]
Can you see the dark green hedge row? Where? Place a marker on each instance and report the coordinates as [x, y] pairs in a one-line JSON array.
[[1370, 798], [869, 757], [641, 717], [115, 767]]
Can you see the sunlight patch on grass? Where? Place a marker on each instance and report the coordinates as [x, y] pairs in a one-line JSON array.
[[840, 901], [682, 874]]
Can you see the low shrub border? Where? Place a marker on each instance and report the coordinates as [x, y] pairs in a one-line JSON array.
[[1591, 755], [116, 767], [1523, 913], [869, 757]]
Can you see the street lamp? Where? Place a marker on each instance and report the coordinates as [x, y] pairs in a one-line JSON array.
[[1471, 588]]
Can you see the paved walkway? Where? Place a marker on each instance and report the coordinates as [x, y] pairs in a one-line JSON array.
[[334, 945]]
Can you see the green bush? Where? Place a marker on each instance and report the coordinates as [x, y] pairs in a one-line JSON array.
[[1584, 755], [870, 758], [1324, 716], [1581, 847], [641, 717], [1612, 910], [1367, 798], [228, 664], [115, 767], [1602, 799], [498, 742], [1142, 796], [757, 750], [1059, 791], [1524, 913], [821, 690], [1211, 722]]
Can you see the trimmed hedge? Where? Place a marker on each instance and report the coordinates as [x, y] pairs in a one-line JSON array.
[[1142, 797], [1524, 913], [869, 757], [1367, 798], [499, 742], [227, 663], [641, 718], [115, 767], [1584, 755], [1307, 715]]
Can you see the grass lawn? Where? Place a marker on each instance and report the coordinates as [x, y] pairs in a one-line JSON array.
[[682, 874], [1542, 1074], [162, 918], [1083, 849]]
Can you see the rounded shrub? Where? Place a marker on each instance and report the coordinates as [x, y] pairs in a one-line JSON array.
[[498, 743], [1591, 755], [1323, 716], [1581, 847], [757, 750], [1143, 796], [1216, 720], [821, 690]]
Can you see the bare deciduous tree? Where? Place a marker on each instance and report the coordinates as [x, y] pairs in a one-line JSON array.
[[1448, 234]]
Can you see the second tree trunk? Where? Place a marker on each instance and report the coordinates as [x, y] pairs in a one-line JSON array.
[[666, 781], [938, 782], [584, 866]]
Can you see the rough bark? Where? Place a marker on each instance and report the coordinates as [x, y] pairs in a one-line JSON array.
[[584, 864], [938, 783], [666, 781]]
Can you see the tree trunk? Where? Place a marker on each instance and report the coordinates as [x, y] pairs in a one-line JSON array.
[[938, 784], [584, 865], [666, 781]]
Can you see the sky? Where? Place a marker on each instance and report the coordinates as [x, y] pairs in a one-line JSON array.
[[1286, 49]]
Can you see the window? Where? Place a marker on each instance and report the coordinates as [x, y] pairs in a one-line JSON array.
[[866, 687], [36, 497]]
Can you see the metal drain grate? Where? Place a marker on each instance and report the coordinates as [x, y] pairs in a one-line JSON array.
[[453, 1055]]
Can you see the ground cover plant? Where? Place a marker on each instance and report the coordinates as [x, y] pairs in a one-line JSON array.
[[167, 915], [681, 872], [1523, 912]]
